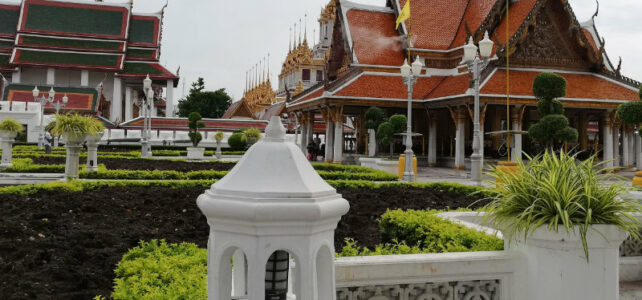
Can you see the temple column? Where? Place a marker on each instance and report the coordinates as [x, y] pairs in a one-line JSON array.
[[117, 101], [432, 139], [583, 131], [129, 104], [638, 151], [607, 146], [626, 162], [338, 136], [304, 133], [616, 144], [329, 136], [516, 119], [310, 127], [632, 135], [84, 78], [169, 99], [460, 151], [51, 76]]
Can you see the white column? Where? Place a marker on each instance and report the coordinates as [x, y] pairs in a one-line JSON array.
[[625, 148], [72, 162], [51, 76], [638, 152], [616, 146], [129, 104], [608, 142], [169, 98], [304, 136], [116, 102], [15, 77], [84, 78], [92, 155], [338, 141], [517, 149], [7, 151], [632, 136], [432, 143], [460, 163], [329, 141]]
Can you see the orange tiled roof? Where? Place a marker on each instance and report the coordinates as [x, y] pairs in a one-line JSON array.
[[434, 23], [312, 95], [376, 42], [475, 14], [517, 14], [582, 86], [589, 37], [388, 87], [450, 86]]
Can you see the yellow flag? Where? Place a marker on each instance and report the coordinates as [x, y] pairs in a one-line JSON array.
[[404, 15]]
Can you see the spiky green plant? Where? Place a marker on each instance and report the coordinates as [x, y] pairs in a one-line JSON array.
[[76, 126], [11, 125], [251, 133], [560, 193], [219, 136]]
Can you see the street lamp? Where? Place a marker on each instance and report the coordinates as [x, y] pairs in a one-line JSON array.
[[410, 74], [58, 105], [43, 101], [472, 60], [147, 122]]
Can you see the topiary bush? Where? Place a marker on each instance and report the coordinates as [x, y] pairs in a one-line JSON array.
[[236, 142], [374, 117], [631, 112], [157, 270], [194, 126], [553, 127]]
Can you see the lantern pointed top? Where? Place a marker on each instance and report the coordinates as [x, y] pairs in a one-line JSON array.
[[275, 132]]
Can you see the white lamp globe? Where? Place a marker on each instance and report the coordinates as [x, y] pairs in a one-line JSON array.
[[405, 69], [35, 92], [486, 46], [65, 99], [147, 83], [417, 66], [52, 93], [470, 51]]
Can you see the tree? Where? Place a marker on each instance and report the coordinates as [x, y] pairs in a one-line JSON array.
[[387, 130], [374, 117], [209, 104], [553, 127], [631, 112]]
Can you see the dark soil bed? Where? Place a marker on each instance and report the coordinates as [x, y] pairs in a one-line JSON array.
[[66, 245], [144, 164]]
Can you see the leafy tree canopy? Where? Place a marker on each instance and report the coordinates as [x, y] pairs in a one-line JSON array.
[[210, 104], [374, 117], [553, 127]]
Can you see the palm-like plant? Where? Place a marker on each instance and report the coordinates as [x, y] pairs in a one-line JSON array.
[[76, 127], [557, 192], [11, 125]]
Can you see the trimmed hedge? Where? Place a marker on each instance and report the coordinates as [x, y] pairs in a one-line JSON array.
[[77, 186], [433, 233], [153, 175], [158, 270]]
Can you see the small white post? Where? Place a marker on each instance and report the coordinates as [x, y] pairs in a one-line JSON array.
[[7, 139], [84, 78]]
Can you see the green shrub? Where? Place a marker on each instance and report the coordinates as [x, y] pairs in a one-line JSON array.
[[553, 127], [157, 270], [77, 186], [194, 126], [251, 133], [11, 125], [76, 126], [432, 233], [374, 117], [237, 142], [558, 192], [219, 136]]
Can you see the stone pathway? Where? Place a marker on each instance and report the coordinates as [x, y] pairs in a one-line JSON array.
[[631, 290]]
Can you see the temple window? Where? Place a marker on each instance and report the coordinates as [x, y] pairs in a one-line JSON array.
[[305, 75], [319, 75]]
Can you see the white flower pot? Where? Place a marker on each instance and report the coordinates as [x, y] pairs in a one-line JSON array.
[[195, 153]]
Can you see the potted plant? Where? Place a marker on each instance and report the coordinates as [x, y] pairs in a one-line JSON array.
[[251, 136], [74, 129], [556, 213], [9, 129], [219, 137], [195, 152]]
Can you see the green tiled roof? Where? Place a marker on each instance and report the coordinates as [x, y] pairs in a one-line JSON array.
[[70, 43], [8, 21], [67, 58], [142, 68], [142, 31], [146, 53], [77, 20], [4, 60], [6, 44]]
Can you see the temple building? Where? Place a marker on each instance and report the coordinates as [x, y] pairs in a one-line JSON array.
[[94, 52], [366, 52]]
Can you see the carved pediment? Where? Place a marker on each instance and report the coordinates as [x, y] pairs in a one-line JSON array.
[[552, 41]]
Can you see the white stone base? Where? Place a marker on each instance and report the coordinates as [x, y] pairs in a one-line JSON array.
[[195, 153]]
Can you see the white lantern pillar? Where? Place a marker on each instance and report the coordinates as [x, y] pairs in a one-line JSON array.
[[92, 151], [253, 211], [7, 139]]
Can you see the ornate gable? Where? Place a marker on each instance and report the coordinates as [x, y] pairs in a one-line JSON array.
[[551, 38]]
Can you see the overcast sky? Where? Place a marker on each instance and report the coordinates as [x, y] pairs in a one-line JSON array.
[[220, 40]]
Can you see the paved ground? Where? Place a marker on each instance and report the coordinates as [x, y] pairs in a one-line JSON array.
[[631, 290]]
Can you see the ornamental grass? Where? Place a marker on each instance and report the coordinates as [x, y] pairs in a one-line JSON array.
[[76, 126], [557, 192], [11, 125]]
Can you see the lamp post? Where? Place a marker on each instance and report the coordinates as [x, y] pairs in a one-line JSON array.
[[410, 74], [472, 60], [43, 102], [149, 97], [58, 105]]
